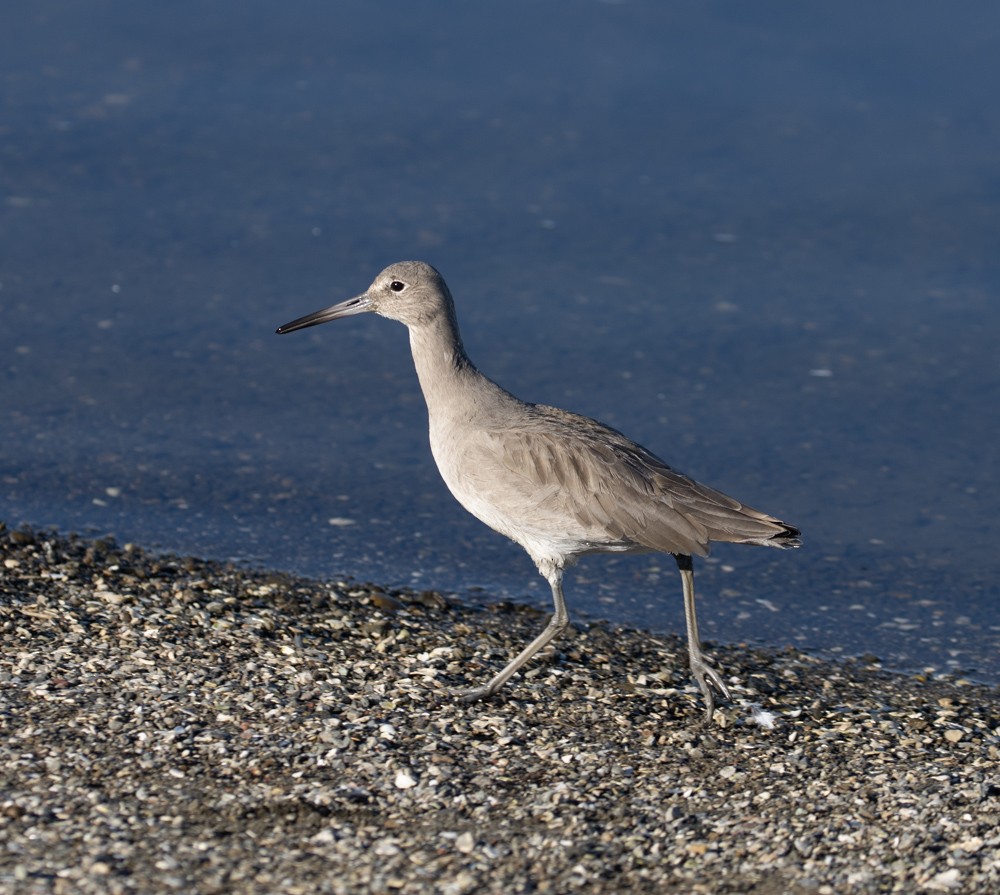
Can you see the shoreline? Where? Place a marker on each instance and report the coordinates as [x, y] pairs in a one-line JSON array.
[[177, 724]]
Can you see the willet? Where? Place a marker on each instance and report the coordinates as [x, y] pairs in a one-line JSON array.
[[559, 484]]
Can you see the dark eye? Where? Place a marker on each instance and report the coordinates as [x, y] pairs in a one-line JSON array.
[[396, 286]]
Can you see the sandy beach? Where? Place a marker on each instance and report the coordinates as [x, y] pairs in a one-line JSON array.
[[176, 725]]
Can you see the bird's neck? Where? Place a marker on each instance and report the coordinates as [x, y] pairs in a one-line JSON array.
[[443, 367]]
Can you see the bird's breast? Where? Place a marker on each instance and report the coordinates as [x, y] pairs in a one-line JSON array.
[[509, 492]]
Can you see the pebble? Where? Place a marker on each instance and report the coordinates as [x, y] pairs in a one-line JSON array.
[[404, 780], [171, 724]]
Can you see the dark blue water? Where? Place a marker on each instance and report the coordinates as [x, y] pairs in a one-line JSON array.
[[762, 239]]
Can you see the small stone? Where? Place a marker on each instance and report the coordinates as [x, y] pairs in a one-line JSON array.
[[404, 780], [385, 602], [386, 848], [945, 881]]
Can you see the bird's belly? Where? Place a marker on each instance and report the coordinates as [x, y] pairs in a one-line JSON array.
[[535, 516], [544, 535]]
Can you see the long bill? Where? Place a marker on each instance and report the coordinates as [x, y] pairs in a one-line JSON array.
[[357, 305]]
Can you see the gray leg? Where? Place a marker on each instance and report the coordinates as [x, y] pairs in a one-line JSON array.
[[703, 673], [557, 624]]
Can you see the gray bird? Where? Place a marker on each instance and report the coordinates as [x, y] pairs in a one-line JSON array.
[[559, 484]]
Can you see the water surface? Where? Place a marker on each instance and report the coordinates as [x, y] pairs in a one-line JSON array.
[[760, 239]]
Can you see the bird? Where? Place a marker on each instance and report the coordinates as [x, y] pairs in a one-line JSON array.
[[559, 484]]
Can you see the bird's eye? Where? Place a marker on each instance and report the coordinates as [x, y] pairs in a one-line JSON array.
[[396, 286]]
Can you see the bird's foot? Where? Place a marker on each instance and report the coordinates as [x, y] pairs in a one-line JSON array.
[[472, 694], [708, 678]]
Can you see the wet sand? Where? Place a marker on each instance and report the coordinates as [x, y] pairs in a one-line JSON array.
[[176, 725]]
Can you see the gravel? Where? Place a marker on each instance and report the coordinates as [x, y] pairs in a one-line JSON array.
[[176, 725]]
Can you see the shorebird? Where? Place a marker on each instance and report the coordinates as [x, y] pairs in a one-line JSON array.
[[559, 484]]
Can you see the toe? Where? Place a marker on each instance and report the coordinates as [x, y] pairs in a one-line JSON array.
[[471, 694]]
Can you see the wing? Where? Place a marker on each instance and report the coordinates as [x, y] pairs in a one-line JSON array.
[[562, 468]]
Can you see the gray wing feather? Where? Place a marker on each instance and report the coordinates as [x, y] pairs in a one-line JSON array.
[[620, 492]]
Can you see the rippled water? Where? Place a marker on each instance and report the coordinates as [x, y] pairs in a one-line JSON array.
[[760, 240]]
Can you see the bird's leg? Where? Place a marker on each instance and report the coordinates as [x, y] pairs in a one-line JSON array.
[[557, 624], [703, 673]]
